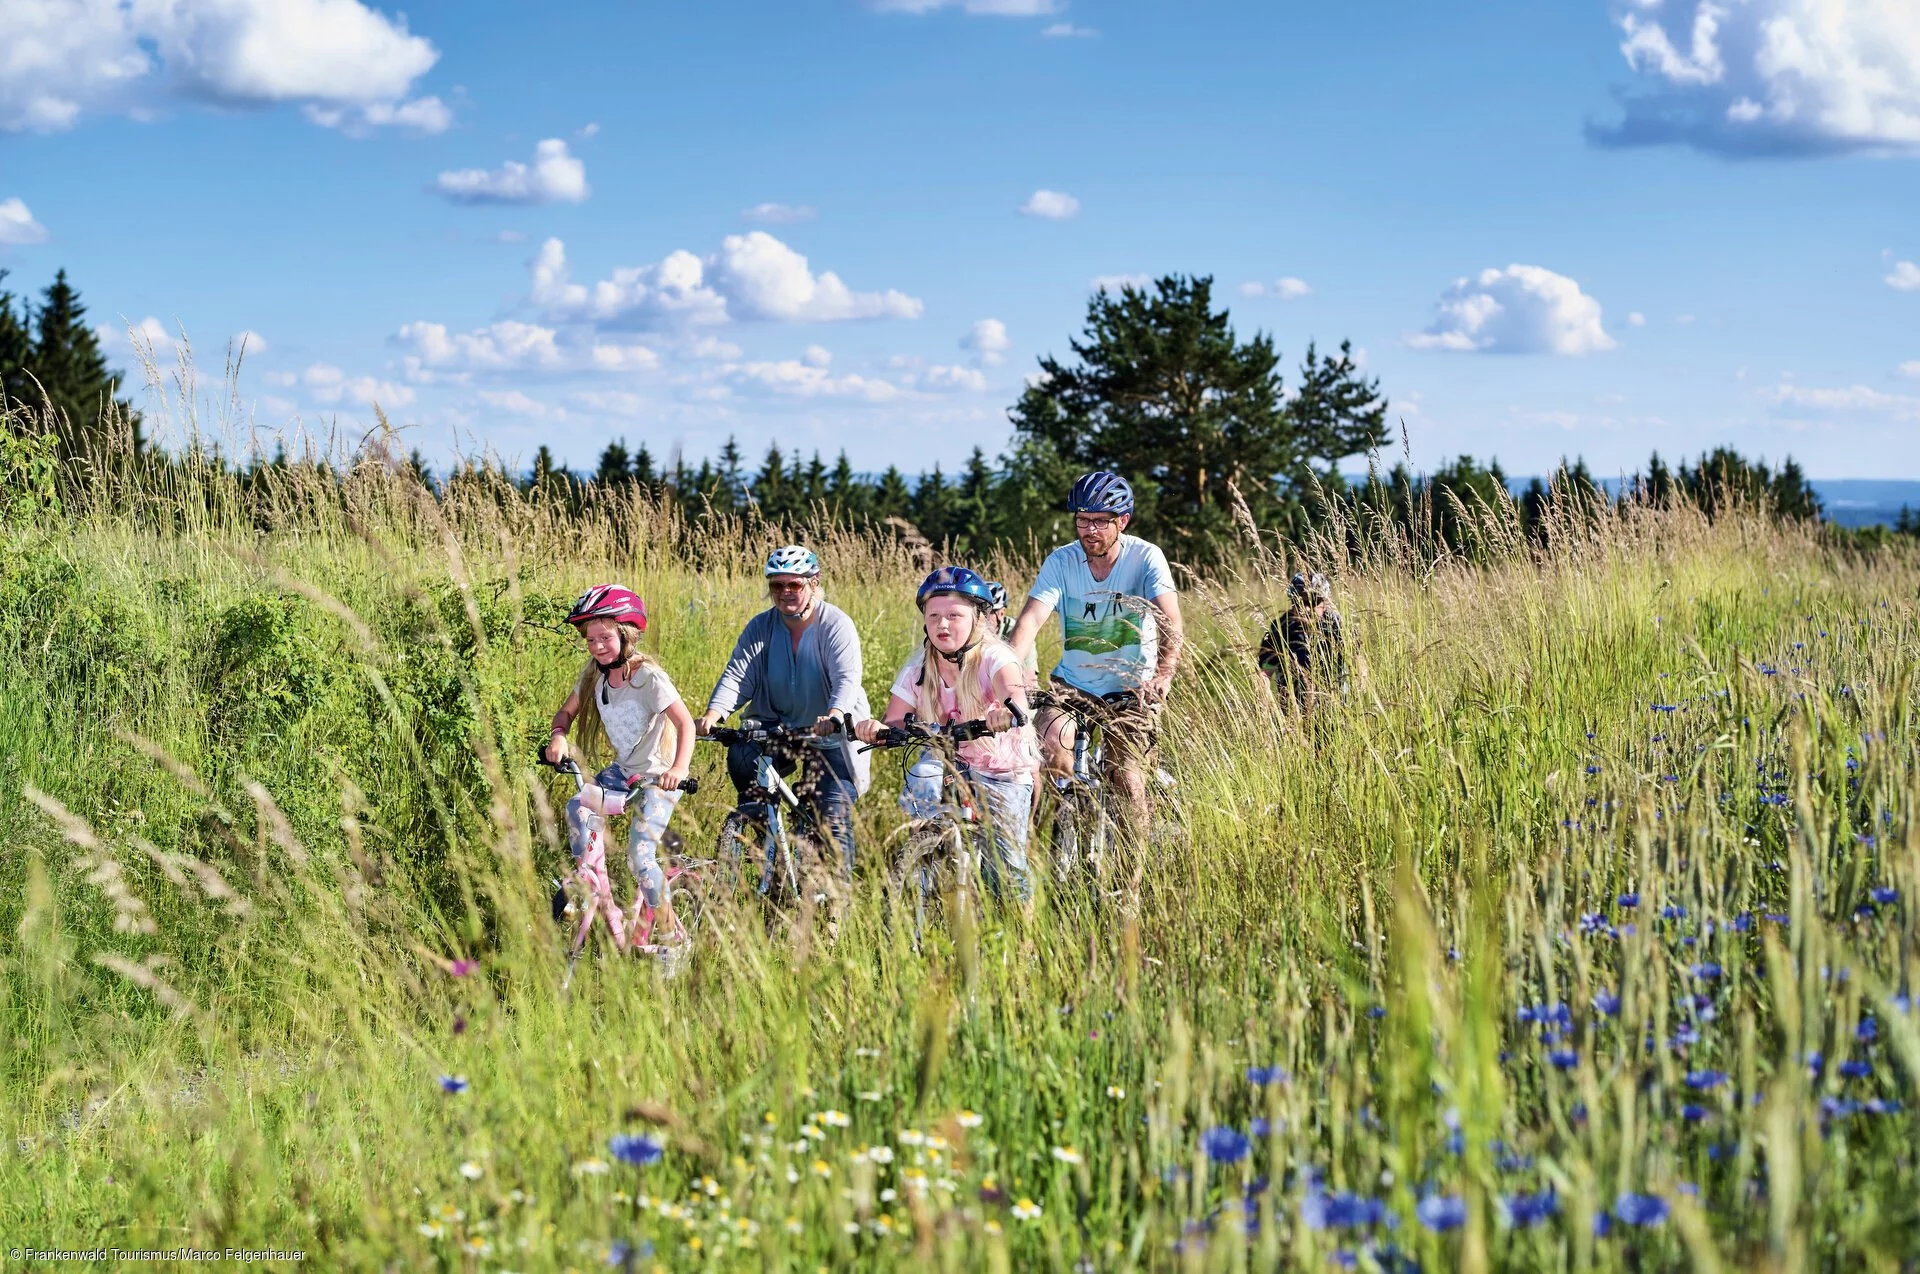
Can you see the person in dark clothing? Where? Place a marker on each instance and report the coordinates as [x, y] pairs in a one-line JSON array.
[[1304, 650]]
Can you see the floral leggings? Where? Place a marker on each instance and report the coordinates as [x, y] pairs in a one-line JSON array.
[[644, 833]]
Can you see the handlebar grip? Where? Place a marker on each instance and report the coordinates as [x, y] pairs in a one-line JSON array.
[[1019, 718], [690, 786]]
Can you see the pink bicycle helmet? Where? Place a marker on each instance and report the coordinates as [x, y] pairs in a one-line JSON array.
[[609, 601]]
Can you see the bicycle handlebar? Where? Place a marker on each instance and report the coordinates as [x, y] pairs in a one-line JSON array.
[[731, 735], [911, 731], [689, 785]]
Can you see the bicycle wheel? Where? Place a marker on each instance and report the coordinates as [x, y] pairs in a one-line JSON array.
[[740, 850]]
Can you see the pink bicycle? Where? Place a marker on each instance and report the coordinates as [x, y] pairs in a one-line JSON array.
[[588, 894]]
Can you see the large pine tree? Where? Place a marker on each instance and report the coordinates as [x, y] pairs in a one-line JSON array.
[[16, 349], [72, 373]]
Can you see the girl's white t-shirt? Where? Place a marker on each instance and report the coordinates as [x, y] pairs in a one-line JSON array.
[[635, 719], [1009, 752]]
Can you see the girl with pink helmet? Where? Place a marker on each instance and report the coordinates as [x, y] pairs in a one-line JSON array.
[[624, 699]]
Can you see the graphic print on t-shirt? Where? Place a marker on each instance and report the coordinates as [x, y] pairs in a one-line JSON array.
[[1108, 622]]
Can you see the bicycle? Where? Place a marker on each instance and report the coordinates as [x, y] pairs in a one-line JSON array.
[[770, 820], [588, 891], [1085, 822], [937, 859]]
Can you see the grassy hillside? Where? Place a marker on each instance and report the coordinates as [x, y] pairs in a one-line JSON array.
[[1578, 936]]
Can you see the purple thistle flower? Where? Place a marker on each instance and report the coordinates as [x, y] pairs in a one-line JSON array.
[[461, 968]]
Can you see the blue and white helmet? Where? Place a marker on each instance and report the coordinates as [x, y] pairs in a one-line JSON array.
[[794, 559], [958, 580], [997, 593], [1100, 492]]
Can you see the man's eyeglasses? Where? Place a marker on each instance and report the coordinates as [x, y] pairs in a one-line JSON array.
[[1094, 524]]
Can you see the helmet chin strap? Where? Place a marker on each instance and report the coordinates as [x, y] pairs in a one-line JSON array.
[[607, 670]]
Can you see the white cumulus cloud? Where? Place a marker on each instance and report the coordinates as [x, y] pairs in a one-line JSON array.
[[555, 177], [503, 346], [947, 378], [1050, 205], [516, 403], [1068, 31], [327, 384], [792, 378], [1636, 319], [350, 64], [1771, 76], [1905, 277], [1849, 399], [1910, 369], [778, 214], [988, 341], [17, 225], [1287, 288], [1522, 309], [751, 277]]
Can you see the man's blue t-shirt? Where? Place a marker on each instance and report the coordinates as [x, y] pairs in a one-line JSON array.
[[1107, 626]]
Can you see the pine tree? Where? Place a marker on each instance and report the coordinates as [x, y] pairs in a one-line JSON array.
[[16, 351], [813, 482], [890, 498], [73, 373], [643, 468], [731, 488], [846, 494], [769, 490], [933, 507], [615, 465]]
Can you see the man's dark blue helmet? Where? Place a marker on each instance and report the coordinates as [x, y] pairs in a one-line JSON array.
[[1100, 492]]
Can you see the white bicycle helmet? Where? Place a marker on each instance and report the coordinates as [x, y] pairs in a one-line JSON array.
[[794, 559]]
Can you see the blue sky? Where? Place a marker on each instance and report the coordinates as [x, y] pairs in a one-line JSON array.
[[1554, 229]]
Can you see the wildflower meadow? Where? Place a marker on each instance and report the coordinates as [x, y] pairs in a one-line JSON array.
[[1579, 935]]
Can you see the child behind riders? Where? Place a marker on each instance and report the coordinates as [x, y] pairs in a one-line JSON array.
[[964, 672], [626, 699]]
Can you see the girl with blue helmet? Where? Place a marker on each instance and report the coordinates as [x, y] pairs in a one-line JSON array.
[[963, 671]]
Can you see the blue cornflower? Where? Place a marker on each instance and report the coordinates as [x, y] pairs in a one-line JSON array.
[[1606, 1003], [1816, 1062], [1666, 707], [1593, 769], [1261, 1128], [1706, 969], [1441, 1212], [1854, 1070], [1743, 922], [1779, 917], [1261, 1076], [1322, 1211], [1592, 922], [1224, 1144], [1684, 1037], [638, 1150], [1702, 1081], [454, 1084], [1693, 1114], [1640, 1209], [1903, 1003], [1564, 1058], [1527, 1210], [1629, 900], [1884, 894], [1721, 1151], [1602, 1224], [1838, 1107], [1673, 911], [1875, 1106], [1867, 1031]]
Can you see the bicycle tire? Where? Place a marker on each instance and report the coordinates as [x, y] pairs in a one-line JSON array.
[[740, 850]]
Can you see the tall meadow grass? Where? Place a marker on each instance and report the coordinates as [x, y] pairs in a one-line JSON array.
[[1578, 935]]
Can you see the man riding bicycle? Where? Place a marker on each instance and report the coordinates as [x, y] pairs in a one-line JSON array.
[[797, 664], [1120, 621]]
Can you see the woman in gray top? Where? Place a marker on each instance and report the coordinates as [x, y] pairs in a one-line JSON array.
[[797, 664]]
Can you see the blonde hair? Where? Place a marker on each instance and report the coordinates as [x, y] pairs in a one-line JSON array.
[[588, 730], [972, 701]]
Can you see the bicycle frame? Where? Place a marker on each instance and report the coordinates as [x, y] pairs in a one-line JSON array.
[[775, 798]]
